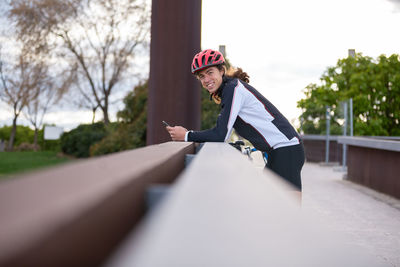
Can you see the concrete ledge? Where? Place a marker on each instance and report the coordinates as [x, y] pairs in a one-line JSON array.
[[75, 214], [319, 137], [374, 163], [370, 143]]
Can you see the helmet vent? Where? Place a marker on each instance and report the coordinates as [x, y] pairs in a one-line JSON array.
[[203, 60]]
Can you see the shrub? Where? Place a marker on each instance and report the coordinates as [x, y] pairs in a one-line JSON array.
[[28, 147], [116, 141], [127, 136], [78, 141], [50, 145], [131, 133], [23, 134]]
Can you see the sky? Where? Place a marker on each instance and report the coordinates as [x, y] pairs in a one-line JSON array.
[[283, 45], [286, 45]]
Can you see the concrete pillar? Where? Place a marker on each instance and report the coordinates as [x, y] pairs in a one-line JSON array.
[[174, 93]]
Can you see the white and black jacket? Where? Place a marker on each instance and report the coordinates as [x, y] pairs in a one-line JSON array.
[[253, 117]]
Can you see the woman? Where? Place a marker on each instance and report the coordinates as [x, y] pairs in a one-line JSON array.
[[253, 117]]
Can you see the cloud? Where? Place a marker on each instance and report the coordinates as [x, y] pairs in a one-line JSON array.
[[396, 4]]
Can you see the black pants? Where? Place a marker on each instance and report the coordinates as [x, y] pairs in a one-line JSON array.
[[287, 162]]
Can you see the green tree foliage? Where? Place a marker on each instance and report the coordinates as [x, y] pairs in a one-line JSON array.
[[25, 135], [78, 141], [374, 86], [131, 131]]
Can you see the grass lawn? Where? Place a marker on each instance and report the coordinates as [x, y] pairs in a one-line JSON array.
[[15, 162]]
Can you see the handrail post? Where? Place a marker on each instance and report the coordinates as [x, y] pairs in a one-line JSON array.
[[344, 152], [328, 129]]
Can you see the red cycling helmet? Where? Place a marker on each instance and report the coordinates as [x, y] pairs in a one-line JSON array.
[[205, 59]]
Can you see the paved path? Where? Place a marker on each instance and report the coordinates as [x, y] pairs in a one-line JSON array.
[[371, 219]]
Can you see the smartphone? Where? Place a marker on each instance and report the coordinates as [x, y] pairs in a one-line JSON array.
[[165, 124]]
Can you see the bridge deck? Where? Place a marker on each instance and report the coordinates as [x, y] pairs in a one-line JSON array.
[[371, 219]]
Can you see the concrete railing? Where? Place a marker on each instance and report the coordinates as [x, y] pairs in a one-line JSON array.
[[374, 162], [75, 214], [222, 211], [315, 147]]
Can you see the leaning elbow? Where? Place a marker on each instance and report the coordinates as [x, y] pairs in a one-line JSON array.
[[220, 137]]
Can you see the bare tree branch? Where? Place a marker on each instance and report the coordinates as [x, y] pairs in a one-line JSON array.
[[19, 86], [101, 36]]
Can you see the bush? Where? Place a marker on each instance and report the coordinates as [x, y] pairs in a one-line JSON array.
[[131, 133], [127, 136], [24, 134], [28, 147], [116, 141], [3, 145], [49, 145], [77, 142]]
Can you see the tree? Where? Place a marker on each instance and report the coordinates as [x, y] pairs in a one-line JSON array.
[[83, 99], [21, 77], [99, 37], [48, 93], [131, 131], [23, 134], [374, 86]]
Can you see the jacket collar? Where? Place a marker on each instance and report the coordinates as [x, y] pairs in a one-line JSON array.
[[218, 94]]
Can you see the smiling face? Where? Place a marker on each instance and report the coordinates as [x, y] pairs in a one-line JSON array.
[[211, 78]]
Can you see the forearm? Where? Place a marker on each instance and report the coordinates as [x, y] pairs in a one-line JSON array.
[[211, 135]]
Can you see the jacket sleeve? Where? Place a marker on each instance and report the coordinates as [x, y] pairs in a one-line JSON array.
[[230, 107]]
